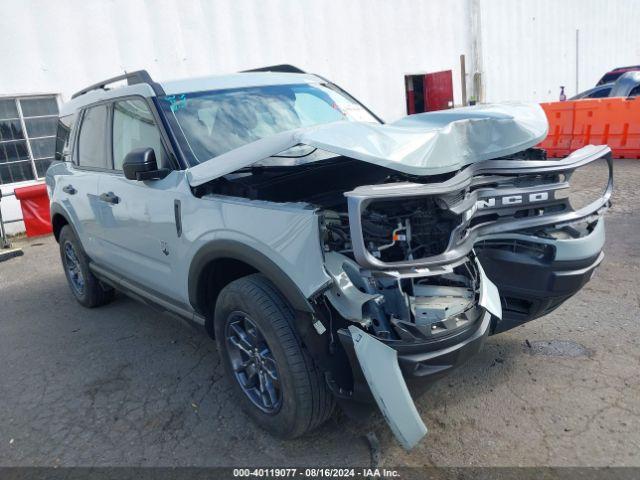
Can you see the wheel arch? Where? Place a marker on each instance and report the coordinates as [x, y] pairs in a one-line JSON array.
[[220, 262], [59, 219]]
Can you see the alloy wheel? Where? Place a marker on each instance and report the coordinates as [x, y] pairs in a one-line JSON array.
[[254, 367], [72, 265]]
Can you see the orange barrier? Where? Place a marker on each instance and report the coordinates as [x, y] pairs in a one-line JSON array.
[[604, 121], [560, 117]]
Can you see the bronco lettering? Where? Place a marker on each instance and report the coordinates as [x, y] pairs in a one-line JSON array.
[[512, 200]]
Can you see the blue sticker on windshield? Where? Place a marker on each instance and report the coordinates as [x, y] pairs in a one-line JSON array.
[[176, 102]]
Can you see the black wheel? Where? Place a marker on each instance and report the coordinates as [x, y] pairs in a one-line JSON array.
[[274, 378], [87, 289]]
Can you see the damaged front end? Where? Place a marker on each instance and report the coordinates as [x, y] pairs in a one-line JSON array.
[[408, 326], [410, 287], [410, 217]]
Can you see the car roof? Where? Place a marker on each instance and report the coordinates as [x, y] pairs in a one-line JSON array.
[[620, 88], [618, 69], [235, 80], [625, 83], [614, 73], [187, 85]]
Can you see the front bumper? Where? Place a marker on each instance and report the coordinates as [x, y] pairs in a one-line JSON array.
[[384, 373], [431, 365], [421, 364], [493, 199], [532, 286]]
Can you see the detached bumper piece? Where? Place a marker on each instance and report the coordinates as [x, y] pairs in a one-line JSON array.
[[385, 371], [379, 364]]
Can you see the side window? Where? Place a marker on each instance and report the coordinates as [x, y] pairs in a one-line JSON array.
[[134, 127], [600, 93], [92, 142], [635, 92], [63, 137]]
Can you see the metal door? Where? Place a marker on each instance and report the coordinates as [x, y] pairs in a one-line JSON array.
[[438, 91]]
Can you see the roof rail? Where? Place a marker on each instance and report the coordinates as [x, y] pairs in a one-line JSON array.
[[132, 78], [276, 68]]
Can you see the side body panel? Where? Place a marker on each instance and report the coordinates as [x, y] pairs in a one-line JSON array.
[[138, 237], [75, 192], [287, 234], [130, 238]]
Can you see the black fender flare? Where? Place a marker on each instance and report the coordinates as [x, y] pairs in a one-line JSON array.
[[57, 209], [230, 249]]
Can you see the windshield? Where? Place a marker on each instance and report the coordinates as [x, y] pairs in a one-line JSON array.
[[211, 123]]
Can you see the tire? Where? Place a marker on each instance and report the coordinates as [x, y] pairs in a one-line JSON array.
[[302, 400], [86, 288]]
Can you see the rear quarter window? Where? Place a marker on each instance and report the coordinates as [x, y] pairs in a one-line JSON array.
[[63, 137]]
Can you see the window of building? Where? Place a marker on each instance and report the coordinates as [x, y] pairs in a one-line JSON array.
[[27, 136]]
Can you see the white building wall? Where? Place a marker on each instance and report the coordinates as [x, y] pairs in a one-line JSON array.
[[366, 46], [529, 47], [524, 49]]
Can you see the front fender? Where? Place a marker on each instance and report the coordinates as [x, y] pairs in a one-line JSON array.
[[218, 249]]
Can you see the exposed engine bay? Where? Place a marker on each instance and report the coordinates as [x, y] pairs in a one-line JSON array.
[[409, 309], [406, 254], [400, 248], [395, 231]]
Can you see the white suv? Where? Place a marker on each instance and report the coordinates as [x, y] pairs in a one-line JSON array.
[[334, 258]]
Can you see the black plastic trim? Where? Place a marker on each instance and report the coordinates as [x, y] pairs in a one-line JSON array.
[[177, 212], [219, 249], [419, 368], [57, 209], [132, 78], [283, 67], [145, 295], [531, 287]]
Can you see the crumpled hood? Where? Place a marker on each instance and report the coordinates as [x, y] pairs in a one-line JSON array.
[[422, 144]]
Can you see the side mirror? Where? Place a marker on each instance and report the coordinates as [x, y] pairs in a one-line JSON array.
[[141, 164]]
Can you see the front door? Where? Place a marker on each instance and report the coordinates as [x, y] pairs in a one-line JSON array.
[[137, 221]]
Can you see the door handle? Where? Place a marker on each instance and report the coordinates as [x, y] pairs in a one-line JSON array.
[[110, 197], [69, 189]]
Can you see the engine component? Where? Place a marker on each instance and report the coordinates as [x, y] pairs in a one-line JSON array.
[[407, 229]]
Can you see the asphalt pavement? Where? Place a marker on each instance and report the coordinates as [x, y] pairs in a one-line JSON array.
[[124, 385]]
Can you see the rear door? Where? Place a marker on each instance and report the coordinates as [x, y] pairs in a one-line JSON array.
[[79, 190], [138, 228]]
